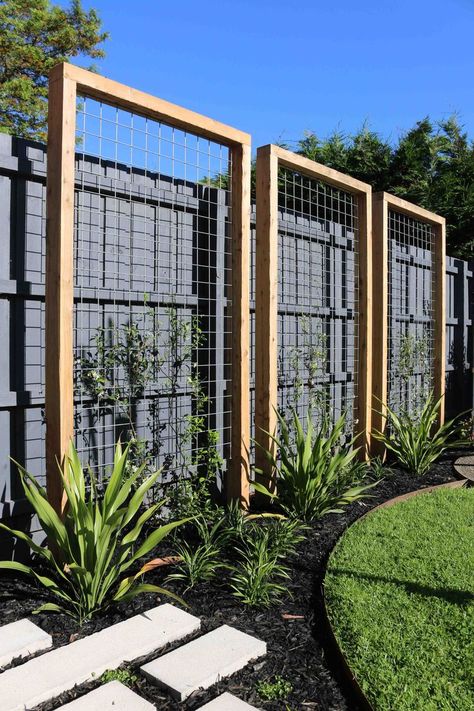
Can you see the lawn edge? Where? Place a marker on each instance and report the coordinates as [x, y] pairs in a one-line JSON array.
[[334, 648]]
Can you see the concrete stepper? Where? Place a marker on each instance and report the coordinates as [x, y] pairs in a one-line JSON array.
[[61, 669], [20, 639], [204, 661], [227, 702], [112, 696]]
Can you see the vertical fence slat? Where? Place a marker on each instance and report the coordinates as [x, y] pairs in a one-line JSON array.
[[238, 484], [59, 277], [365, 325], [266, 305], [380, 315], [440, 316]]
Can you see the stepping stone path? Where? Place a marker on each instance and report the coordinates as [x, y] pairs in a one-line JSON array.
[[20, 639], [113, 696], [465, 466], [227, 702], [196, 665], [204, 661], [51, 674]]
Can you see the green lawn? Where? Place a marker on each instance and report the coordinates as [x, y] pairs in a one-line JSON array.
[[400, 596]]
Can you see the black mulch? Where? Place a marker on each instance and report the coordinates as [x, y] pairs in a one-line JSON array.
[[297, 648]]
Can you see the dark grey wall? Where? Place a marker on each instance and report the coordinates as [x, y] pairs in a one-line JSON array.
[[459, 336], [22, 262]]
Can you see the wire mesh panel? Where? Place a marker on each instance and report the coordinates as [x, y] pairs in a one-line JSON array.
[[152, 292], [318, 233], [409, 308], [158, 253], [411, 312], [313, 307]]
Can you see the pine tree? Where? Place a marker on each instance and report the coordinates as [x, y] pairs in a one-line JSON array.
[[34, 36]]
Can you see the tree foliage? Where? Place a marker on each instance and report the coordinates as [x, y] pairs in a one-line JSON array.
[[34, 36], [431, 165]]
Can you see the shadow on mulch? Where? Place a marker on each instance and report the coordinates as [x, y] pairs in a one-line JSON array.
[[294, 632]]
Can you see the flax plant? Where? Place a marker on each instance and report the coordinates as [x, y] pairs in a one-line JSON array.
[[98, 544], [415, 440], [316, 474]]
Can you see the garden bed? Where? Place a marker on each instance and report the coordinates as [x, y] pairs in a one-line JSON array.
[[293, 629], [400, 598]]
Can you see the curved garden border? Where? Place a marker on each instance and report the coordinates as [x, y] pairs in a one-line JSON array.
[[334, 648]]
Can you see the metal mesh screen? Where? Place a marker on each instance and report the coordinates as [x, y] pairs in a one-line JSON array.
[[411, 282], [318, 298], [152, 292]]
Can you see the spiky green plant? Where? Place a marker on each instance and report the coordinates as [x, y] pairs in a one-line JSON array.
[[316, 474], [416, 440], [96, 543], [200, 562], [258, 578], [285, 535]]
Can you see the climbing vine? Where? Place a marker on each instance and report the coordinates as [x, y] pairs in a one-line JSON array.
[[135, 366], [412, 372], [308, 364]]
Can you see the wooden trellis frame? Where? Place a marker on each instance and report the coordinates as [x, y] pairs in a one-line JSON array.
[[66, 82], [269, 159], [382, 203]]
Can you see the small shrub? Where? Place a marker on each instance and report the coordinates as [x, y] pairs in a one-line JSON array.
[[97, 541], [316, 475], [202, 562], [415, 440], [378, 469], [258, 577], [466, 429], [284, 535], [277, 690], [124, 676], [235, 520]]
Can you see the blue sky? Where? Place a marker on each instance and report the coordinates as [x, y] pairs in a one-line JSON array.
[[277, 68]]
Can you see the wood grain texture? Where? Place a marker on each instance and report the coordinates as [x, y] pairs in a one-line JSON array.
[[365, 287], [293, 161], [59, 408], [439, 274], [266, 310], [380, 317], [409, 208], [103, 89], [238, 480]]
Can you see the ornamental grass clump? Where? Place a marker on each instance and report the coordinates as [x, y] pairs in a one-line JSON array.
[[259, 576], [97, 542], [315, 473], [415, 440], [200, 562]]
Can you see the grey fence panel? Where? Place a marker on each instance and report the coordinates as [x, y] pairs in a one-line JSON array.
[[22, 268], [187, 274], [22, 217], [318, 302], [459, 336], [411, 347]]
